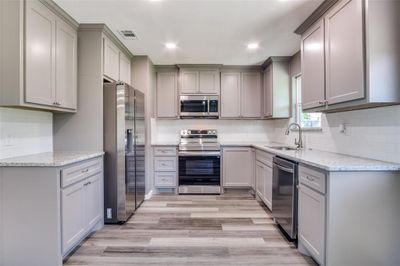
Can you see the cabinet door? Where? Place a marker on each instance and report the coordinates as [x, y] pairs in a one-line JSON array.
[[260, 179], [166, 95], [111, 60], [313, 67], [267, 196], [237, 170], [209, 82], [268, 96], [93, 200], [40, 54], [230, 95], [73, 215], [312, 222], [66, 65], [251, 95], [124, 68], [344, 49], [189, 82]]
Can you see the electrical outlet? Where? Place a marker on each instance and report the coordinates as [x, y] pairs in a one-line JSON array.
[[109, 213]]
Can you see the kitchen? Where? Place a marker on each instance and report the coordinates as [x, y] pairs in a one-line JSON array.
[[177, 134]]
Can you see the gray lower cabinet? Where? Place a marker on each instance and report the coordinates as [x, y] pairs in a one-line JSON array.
[[165, 166], [50, 209], [167, 95], [312, 212], [81, 201], [264, 181], [237, 167], [342, 57], [311, 215]]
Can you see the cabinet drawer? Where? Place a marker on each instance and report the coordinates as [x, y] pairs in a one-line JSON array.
[[80, 171], [264, 157], [165, 164], [165, 179], [165, 151], [312, 178]]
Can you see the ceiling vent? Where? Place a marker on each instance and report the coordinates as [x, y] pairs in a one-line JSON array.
[[128, 35]]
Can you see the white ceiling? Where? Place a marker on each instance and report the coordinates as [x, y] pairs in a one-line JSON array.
[[206, 31]]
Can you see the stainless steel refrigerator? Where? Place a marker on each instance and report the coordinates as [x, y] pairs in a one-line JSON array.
[[124, 145]]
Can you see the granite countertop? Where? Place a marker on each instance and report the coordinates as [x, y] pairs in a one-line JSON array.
[[329, 161], [49, 159]]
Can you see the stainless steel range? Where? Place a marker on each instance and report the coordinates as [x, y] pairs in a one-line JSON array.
[[199, 162]]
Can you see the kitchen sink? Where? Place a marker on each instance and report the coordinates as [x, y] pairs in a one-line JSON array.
[[283, 148]]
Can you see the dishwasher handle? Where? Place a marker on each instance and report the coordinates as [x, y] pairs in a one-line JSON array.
[[289, 170]]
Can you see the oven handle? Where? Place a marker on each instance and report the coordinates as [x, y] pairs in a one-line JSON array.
[[289, 170], [200, 153]]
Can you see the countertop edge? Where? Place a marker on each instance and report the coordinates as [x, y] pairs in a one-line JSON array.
[[78, 158]]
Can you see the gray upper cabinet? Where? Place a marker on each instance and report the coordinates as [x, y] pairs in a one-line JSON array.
[[40, 54], [111, 60], [167, 94], [230, 95], [251, 95], [344, 40], [276, 89], [209, 82], [44, 76], [240, 94], [66, 65], [189, 82], [124, 68], [343, 53], [199, 81], [313, 65]]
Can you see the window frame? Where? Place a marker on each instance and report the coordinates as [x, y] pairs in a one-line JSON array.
[[296, 106]]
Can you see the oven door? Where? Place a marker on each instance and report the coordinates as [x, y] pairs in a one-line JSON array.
[[199, 168], [191, 106]]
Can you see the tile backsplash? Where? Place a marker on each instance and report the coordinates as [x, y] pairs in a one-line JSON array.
[[228, 130], [25, 132], [372, 133]]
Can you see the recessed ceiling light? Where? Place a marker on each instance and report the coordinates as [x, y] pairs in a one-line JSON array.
[[252, 45], [155, 0], [170, 45]]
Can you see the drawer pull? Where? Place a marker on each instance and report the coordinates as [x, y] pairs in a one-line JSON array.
[[88, 183], [85, 171], [310, 178]]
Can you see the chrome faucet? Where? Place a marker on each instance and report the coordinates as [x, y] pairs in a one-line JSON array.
[[298, 143]]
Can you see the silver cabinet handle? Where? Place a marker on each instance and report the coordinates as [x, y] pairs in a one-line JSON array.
[[85, 171], [310, 178]]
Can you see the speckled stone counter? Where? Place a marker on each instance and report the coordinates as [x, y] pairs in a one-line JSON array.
[[49, 159], [329, 161]]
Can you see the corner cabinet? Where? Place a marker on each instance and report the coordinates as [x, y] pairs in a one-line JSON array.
[[276, 89], [342, 55], [44, 76]]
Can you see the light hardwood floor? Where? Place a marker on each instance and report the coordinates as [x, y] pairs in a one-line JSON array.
[[232, 229]]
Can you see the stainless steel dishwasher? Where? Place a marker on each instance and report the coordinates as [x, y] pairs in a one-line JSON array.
[[284, 196]]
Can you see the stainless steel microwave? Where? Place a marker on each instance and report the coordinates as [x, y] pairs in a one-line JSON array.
[[199, 106]]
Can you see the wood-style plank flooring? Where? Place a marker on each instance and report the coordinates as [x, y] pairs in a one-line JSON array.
[[232, 229]]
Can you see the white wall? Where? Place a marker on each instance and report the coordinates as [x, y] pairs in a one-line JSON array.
[[24, 132], [228, 130]]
